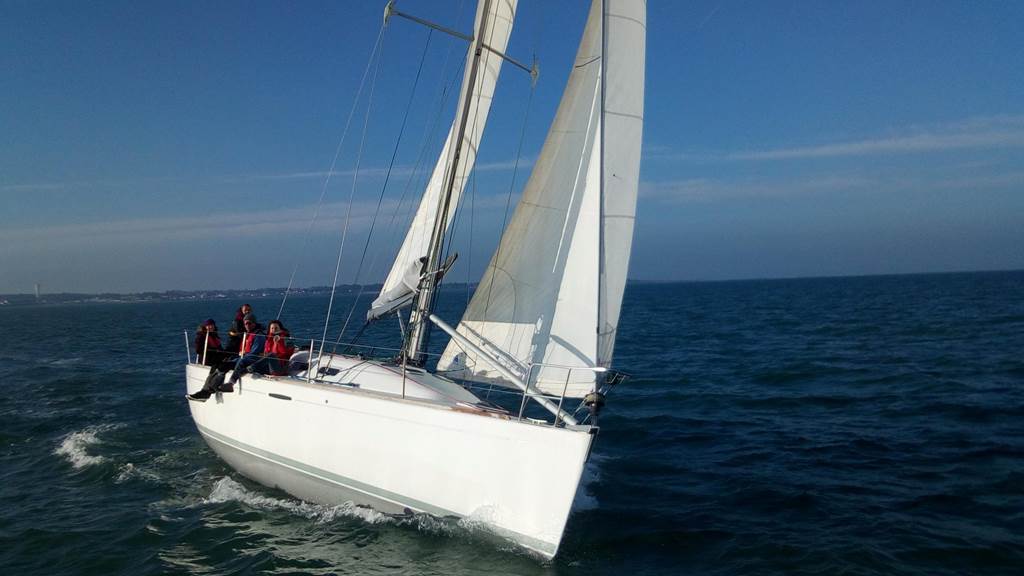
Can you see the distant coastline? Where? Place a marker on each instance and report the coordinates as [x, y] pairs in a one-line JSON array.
[[171, 295], [19, 300]]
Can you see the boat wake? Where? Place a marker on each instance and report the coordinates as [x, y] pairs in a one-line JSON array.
[[74, 447], [227, 490]]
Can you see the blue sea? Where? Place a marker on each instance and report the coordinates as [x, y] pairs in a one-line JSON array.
[[868, 425]]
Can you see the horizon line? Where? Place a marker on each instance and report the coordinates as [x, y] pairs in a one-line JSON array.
[[628, 281]]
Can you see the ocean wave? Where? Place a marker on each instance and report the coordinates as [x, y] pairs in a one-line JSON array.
[[129, 471], [69, 361], [73, 447]]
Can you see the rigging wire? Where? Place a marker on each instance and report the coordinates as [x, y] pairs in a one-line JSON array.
[[330, 171], [471, 176], [429, 133], [430, 130], [383, 188], [351, 198]]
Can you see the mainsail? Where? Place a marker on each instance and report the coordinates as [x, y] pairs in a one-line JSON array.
[[404, 275], [552, 292]]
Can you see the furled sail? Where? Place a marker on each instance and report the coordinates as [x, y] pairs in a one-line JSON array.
[[396, 290], [552, 292]]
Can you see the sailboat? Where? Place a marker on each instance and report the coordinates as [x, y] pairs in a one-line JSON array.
[[405, 437]]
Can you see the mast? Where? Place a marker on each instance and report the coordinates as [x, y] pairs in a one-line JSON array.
[[416, 345]]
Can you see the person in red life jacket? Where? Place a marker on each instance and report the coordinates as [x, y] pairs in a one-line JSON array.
[[252, 350], [252, 353], [207, 344], [277, 349], [210, 353]]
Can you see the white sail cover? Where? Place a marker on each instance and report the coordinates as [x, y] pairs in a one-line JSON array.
[[417, 239], [553, 290]]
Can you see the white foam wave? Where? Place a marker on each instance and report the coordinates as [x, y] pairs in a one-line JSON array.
[[226, 490], [125, 473], [129, 471], [74, 446]]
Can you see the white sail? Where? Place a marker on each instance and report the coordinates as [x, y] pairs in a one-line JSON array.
[[495, 34], [551, 293], [625, 34]]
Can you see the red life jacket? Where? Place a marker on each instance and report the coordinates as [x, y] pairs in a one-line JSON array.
[[247, 342], [279, 349], [212, 342]]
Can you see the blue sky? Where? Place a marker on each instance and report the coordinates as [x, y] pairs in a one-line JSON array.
[[152, 146]]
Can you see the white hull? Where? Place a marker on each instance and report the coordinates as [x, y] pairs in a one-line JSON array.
[[330, 444]]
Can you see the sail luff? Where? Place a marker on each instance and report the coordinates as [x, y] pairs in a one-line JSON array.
[[478, 95]]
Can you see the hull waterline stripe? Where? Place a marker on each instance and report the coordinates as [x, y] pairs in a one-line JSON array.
[[540, 546]]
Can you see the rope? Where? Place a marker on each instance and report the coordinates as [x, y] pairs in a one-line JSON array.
[[330, 171]]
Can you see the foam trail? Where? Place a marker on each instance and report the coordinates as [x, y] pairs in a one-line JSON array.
[[226, 490], [73, 446]]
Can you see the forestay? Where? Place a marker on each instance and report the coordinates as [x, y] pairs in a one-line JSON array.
[[553, 289], [397, 289]]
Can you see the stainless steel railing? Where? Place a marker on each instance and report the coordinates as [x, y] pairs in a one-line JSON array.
[[604, 379]]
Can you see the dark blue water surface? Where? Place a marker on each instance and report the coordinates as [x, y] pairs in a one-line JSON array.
[[824, 426]]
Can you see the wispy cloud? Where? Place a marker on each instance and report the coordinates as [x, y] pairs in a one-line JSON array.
[[31, 187], [365, 173], [991, 132], [718, 189], [221, 225], [713, 189], [293, 222], [503, 165]]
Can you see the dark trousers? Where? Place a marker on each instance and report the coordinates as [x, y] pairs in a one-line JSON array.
[[248, 363], [217, 373]]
